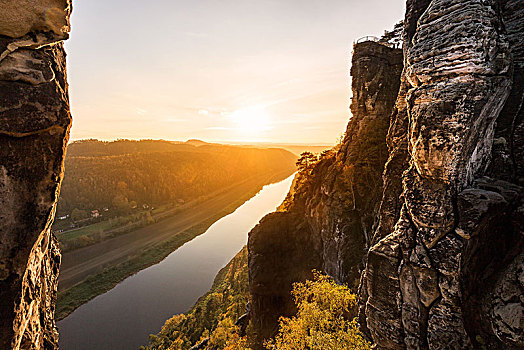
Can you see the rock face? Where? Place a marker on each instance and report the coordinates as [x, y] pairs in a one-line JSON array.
[[326, 221], [34, 128], [426, 280], [438, 242]]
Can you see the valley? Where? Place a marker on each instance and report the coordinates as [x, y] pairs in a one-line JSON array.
[[139, 305], [90, 271], [147, 198]]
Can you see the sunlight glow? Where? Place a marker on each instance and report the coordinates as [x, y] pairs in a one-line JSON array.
[[251, 120]]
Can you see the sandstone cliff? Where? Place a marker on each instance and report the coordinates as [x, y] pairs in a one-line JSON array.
[[326, 222], [438, 242], [34, 127]]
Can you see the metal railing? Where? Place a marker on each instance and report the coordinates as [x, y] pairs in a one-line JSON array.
[[377, 40], [366, 38]]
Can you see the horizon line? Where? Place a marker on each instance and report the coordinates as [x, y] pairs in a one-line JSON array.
[[238, 142]]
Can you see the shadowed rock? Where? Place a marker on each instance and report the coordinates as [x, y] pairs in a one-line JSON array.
[[442, 247], [326, 221], [452, 230], [34, 128]]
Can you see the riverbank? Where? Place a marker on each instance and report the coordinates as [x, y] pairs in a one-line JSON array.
[[125, 255], [214, 314], [98, 232]]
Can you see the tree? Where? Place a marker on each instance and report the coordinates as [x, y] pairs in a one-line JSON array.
[[84, 241], [78, 214], [394, 36], [322, 321], [306, 160], [122, 186], [121, 203], [148, 218], [326, 153]]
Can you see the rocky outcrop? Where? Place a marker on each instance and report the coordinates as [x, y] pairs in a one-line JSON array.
[[439, 241], [326, 221], [34, 128], [282, 250], [426, 281], [508, 145]]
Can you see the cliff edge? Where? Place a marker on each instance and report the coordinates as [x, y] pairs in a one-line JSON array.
[[422, 201], [34, 128], [326, 221]]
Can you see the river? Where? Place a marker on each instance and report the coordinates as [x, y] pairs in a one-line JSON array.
[[124, 317]]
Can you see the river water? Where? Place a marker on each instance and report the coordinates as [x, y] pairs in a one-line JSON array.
[[124, 317]]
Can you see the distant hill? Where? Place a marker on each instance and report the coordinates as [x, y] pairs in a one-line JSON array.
[[197, 143], [296, 149], [127, 174], [95, 148], [299, 149]]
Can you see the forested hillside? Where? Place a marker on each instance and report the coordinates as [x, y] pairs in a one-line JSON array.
[[213, 317], [123, 175]]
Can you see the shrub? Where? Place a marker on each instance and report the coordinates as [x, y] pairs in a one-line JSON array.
[[322, 321]]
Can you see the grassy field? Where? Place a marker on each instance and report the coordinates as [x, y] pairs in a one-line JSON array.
[[94, 285], [86, 230]]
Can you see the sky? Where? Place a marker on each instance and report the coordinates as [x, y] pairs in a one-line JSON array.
[[217, 70]]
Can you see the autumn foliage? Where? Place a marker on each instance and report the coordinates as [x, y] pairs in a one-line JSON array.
[[323, 319]]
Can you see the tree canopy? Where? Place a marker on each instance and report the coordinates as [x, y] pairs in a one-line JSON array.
[[125, 174], [322, 321], [394, 36]]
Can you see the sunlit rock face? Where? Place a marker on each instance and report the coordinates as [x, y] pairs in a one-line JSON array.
[[34, 128], [443, 271], [326, 221], [22, 17], [439, 244]]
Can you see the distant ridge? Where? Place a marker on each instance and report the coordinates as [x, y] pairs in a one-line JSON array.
[[196, 142]]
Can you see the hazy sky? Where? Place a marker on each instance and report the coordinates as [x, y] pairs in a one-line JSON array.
[[218, 70]]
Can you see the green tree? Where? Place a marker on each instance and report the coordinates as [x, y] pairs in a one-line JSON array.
[[322, 321], [78, 214], [306, 161], [394, 36]]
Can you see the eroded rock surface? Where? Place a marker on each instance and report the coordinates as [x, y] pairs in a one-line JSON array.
[[442, 239], [425, 284], [34, 128], [326, 221]]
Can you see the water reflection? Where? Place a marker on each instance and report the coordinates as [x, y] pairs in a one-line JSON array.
[[124, 317]]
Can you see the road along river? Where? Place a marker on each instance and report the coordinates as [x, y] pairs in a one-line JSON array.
[[124, 317]]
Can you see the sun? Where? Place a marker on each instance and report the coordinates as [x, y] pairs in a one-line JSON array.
[[251, 120]]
